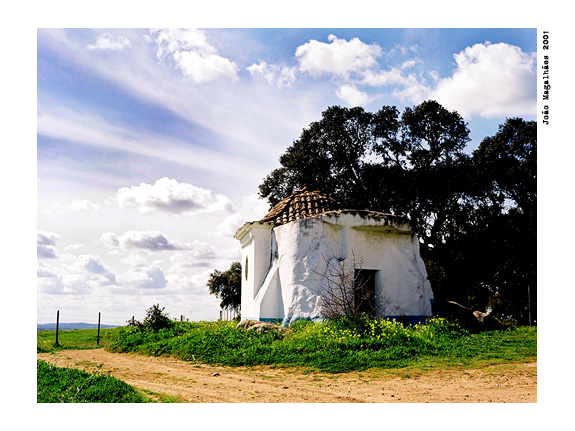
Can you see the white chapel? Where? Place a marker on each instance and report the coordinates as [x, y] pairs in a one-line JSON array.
[[287, 254]]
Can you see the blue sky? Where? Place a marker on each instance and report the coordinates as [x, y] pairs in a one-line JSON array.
[[151, 143]]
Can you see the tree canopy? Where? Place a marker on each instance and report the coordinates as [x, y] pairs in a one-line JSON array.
[[474, 213], [226, 285]]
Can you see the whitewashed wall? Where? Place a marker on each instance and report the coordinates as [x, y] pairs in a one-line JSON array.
[[285, 264]]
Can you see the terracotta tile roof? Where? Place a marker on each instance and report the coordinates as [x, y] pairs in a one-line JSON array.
[[300, 205]]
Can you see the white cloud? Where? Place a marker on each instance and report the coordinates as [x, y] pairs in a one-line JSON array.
[[414, 90], [254, 207], [43, 270], [86, 273], [143, 278], [230, 225], [409, 87], [168, 195], [90, 263], [193, 55], [340, 58], [86, 129], [412, 62], [151, 240], [280, 76], [45, 245], [195, 285], [352, 96], [106, 42], [205, 68], [185, 261], [74, 248], [202, 250], [491, 80], [49, 281], [382, 78], [84, 206]]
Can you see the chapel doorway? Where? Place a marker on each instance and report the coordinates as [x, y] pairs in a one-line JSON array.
[[364, 291]]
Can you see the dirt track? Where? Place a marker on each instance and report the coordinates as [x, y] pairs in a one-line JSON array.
[[514, 383]]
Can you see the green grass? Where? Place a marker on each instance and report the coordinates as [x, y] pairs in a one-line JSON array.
[[72, 339], [67, 385], [334, 346]]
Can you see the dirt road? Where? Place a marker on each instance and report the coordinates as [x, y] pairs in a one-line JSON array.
[[199, 383]]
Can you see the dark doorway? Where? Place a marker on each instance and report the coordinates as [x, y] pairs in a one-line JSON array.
[[364, 291]]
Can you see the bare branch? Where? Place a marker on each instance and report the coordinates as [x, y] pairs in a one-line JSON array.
[[346, 290]]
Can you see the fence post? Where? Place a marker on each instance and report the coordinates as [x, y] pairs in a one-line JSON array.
[[98, 337], [57, 325]]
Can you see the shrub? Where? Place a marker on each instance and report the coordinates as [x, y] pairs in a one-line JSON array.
[[155, 320]]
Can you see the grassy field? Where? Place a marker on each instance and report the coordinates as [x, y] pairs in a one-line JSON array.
[[72, 339], [334, 346], [66, 385], [331, 347]]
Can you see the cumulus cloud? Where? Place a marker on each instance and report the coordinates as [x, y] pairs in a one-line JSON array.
[[90, 263], [230, 225], [352, 96], [170, 196], [49, 280], [45, 245], [193, 55], [43, 270], [340, 57], [151, 240], [280, 76], [106, 42], [143, 278], [490, 80], [85, 273]]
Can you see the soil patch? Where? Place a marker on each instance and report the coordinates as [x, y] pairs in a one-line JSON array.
[[191, 382]]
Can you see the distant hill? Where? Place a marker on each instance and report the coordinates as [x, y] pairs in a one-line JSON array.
[[64, 326]]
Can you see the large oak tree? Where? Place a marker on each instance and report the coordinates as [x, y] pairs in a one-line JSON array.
[[474, 214]]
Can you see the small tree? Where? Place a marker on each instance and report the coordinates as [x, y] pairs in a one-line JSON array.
[[227, 286]]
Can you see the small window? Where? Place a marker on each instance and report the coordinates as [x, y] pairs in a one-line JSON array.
[[246, 269]]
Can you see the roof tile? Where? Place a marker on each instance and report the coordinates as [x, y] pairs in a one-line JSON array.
[[300, 205]]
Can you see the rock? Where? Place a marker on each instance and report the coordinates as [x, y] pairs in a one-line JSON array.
[[262, 327], [473, 321], [245, 324]]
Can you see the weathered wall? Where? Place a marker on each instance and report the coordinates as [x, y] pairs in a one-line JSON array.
[[297, 257]]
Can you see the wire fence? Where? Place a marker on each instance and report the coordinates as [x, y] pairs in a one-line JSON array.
[[78, 321], [67, 320], [88, 322]]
